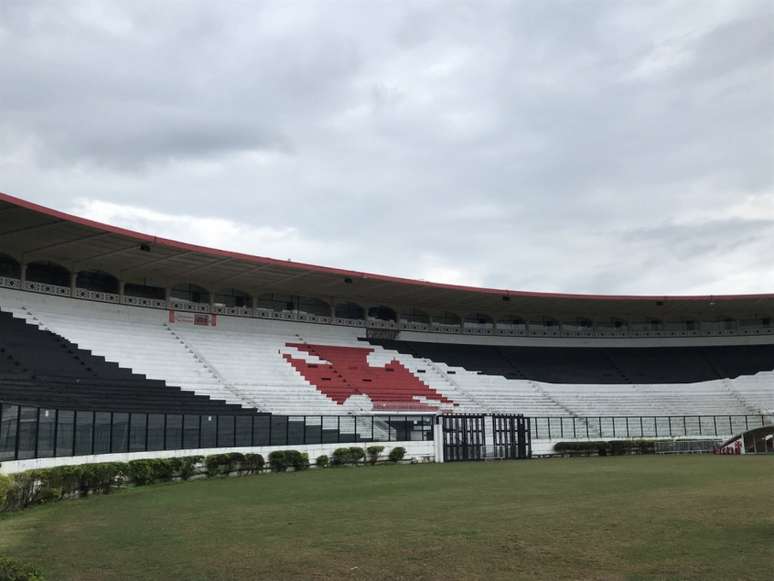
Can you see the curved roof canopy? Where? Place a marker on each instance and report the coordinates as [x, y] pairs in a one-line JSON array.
[[30, 232]]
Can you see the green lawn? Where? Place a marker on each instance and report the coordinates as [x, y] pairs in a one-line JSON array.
[[683, 517]]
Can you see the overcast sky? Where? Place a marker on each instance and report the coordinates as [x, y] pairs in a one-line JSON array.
[[612, 147]]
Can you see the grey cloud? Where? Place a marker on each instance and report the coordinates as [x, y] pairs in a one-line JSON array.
[[510, 141]]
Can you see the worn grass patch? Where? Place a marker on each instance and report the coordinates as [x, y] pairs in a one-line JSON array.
[[686, 517]]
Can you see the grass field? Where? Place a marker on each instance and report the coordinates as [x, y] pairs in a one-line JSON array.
[[687, 517]]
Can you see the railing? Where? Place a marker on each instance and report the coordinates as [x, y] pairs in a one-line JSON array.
[[28, 432], [605, 427], [528, 329]]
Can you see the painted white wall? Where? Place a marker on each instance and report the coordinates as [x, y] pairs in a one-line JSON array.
[[421, 451]]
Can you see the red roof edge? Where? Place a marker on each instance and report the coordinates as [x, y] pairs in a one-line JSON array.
[[352, 273]]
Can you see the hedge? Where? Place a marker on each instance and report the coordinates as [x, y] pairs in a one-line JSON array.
[[342, 456], [397, 454], [281, 460], [373, 453], [607, 447], [41, 486]]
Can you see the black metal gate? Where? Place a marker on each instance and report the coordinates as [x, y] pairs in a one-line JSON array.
[[512, 437], [465, 437]]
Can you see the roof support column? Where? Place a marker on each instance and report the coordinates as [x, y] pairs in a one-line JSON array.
[[23, 273], [121, 288], [73, 281]]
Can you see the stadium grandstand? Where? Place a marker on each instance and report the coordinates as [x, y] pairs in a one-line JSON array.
[[116, 341]]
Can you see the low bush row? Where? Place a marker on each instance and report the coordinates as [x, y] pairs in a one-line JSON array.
[[281, 460], [606, 447], [356, 455], [40, 486]]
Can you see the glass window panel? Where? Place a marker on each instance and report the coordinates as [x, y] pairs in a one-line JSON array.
[[102, 432], [64, 433], [279, 430], [137, 432], [225, 431], [8, 424], [381, 429], [244, 430], [313, 430], [174, 437], [190, 432], [120, 432], [363, 428], [46, 425], [84, 423], [209, 431], [28, 425], [295, 430], [155, 431], [261, 430], [330, 429], [347, 428]]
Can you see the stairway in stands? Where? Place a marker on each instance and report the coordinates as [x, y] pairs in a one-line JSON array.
[[45, 369]]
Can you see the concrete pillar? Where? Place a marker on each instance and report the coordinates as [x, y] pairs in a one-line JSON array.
[[167, 294], [23, 273], [121, 288], [73, 281]]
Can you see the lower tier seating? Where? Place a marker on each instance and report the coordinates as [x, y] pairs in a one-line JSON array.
[[44, 369]]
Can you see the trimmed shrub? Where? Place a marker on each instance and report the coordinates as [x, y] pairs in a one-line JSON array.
[[340, 457], [605, 448], [373, 453], [356, 455], [253, 463], [101, 477], [224, 464], [397, 454], [322, 461], [13, 570], [141, 472], [6, 484], [185, 466], [281, 460], [278, 461]]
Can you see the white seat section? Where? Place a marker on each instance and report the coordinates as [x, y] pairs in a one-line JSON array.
[[133, 337], [241, 360], [248, 353]]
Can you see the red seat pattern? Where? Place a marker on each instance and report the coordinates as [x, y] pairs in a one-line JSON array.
[[347, 373]]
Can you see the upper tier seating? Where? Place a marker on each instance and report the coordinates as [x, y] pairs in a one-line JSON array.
[[43, 369]]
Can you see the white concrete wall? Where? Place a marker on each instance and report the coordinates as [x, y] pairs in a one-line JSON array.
[[422, 451]]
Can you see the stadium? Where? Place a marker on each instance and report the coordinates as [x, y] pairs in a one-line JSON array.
[[120, 346]]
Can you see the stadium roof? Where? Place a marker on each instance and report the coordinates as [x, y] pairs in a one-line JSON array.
[[30, 232]]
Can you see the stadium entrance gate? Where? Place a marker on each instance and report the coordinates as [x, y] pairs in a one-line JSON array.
[[485, 437]]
